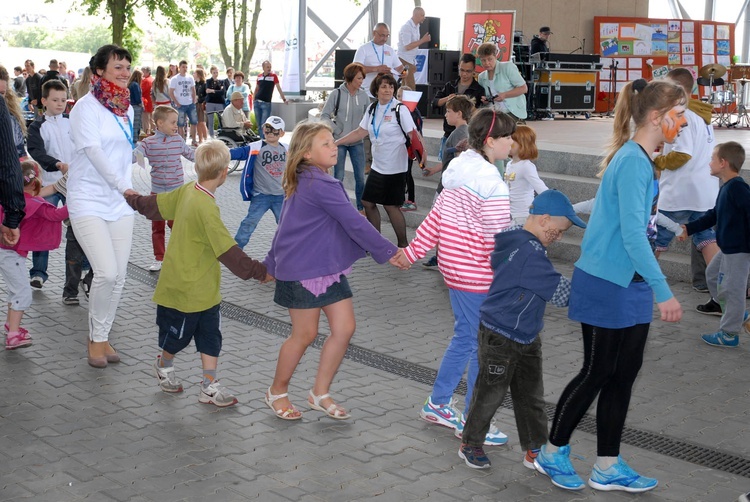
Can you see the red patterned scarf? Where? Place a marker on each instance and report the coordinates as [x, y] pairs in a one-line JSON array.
[[113, 97]]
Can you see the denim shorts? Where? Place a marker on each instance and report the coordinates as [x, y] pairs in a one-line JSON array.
[[700, 239], [177, 328], [292, 295], [190, 111]]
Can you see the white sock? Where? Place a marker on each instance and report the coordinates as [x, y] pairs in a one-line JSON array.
[[605, 463]]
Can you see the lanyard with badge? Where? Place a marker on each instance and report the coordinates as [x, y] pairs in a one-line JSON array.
[[128, 136], [381, 56], [376, 127]]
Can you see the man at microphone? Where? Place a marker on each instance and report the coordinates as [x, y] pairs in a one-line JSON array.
[[539, 42]]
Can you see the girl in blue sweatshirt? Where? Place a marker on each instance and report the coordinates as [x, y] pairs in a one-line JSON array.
[[613, 286]]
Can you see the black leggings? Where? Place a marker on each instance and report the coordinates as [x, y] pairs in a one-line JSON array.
[[611, 361]]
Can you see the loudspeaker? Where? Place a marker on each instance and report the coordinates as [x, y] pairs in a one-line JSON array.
[[433, 112], [430, 25], [436, 66], [423, 104], [342, 58], [452, 59]]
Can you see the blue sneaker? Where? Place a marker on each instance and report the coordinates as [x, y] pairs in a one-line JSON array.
[[442, 414], [559, 468], [474, 456], [493, 438], [620, 477], [721, 339]]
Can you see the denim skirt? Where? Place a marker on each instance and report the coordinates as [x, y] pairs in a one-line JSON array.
[[292, 295]]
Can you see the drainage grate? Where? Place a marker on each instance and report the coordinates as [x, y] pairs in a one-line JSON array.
[[711, 458]]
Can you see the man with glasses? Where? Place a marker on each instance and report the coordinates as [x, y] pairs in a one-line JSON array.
[[464, 85], [268, 158], [233, 119], [378, 57]]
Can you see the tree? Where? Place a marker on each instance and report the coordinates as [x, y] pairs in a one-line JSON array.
[[243, 46], [85, 39], [34, 37], [122, 16], [167, 47]]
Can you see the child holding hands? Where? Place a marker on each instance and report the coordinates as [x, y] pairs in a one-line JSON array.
[[41, 230], [521, 174], [188, 293], [319, 237]]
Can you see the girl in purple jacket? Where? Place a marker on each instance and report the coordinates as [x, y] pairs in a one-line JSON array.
[[319, 237]]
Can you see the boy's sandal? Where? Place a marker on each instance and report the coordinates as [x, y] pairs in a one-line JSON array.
[[290, 413], [333, 411]]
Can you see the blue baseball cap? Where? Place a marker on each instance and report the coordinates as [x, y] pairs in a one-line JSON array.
[[555, 203]]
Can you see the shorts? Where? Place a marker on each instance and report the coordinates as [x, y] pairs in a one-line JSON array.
[[13, 269], [177, 328], [665, 236], [385, 189], [190, 111], [293, 295]]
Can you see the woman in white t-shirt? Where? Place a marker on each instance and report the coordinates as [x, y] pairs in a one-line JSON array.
[[386, 182], [100, 174]]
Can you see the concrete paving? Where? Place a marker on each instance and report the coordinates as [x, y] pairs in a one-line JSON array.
[[69, 432]]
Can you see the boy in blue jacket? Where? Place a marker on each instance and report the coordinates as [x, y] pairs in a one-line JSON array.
[[511, 317], [727, 273]]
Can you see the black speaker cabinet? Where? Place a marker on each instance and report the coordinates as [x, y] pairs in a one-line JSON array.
[[430, 25], [452, 59], [424, 104], [342, 59]]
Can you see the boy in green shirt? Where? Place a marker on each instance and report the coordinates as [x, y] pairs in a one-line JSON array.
[[187, 293]]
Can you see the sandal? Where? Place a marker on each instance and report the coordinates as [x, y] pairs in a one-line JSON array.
[[334, 410], [291, 413]]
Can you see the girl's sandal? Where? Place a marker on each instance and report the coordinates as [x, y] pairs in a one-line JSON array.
[[290, 413], [334, 410]]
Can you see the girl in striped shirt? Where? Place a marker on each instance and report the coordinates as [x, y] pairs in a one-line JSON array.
[[472, 208]]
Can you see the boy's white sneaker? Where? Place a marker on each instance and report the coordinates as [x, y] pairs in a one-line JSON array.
[[155, 267]]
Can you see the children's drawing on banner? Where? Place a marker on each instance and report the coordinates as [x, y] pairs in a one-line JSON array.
[[673, 59], [707, 31], [688, 38], [688, 59], [660, 72], [609, 47], [643, 32], [688, 27], [608, 30], [642, 48], [722, 47], [674, 36], [659, 48], [722, 32], [660, 32], [674, 25]]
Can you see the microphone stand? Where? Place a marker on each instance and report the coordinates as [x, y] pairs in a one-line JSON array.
[[581, 46], [612, 83]]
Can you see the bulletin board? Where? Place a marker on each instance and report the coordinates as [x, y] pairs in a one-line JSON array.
[[494, 27], [649, 48]]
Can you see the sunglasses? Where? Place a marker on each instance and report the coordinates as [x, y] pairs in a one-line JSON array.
[[270, 130]]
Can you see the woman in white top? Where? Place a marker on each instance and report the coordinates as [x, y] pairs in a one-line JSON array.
[[100, 174], [521, 175], [386, 182]]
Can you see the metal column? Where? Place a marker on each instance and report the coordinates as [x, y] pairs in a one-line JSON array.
[[301, 43]]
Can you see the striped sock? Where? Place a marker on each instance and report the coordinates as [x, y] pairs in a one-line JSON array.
[[208, 377]]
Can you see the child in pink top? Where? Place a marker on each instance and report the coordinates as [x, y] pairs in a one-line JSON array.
[[40, 231]]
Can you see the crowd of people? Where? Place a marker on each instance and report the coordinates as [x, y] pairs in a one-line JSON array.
[[489, 223]]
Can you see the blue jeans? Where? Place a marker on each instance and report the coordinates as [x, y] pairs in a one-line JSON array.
[[188, 111], [258, 206], [262, 112], [39, 259], [357, 154], [462, 350]]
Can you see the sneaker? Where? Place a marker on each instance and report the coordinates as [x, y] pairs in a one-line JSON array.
[[745, 497], [474, 456], [167, 379], [620, 477], [155, 267], [549, 117], [36, 282], [711, 307], [216, 394], [721, 339], [408, 206], [441, 414], [559, 468], [493, 438], [528, 459], [17, 339], [431, 264], [702, 288], [70, 300]]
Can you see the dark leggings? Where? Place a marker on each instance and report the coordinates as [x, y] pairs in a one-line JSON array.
[[410, 196], [611, 361]]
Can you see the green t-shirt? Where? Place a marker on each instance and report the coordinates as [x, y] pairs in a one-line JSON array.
[[191, 274]]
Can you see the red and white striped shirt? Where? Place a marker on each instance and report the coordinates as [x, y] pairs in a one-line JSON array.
[[473, 207], [164, 155]]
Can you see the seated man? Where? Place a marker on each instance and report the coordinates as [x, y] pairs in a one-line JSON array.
[[233, 119]]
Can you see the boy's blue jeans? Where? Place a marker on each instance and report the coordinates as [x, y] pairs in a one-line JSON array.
[[258, 206], [357, 154], [462, 350], [505, 364]]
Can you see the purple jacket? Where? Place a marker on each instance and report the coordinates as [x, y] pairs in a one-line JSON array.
[[320, 233]]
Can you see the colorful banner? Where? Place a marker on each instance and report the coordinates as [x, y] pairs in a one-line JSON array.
[[290, 80], [494, 27]]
